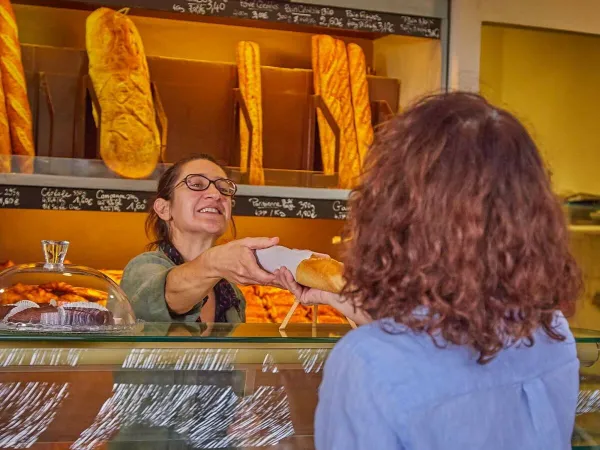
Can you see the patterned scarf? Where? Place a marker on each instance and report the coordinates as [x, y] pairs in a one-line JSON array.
[[225, 295]]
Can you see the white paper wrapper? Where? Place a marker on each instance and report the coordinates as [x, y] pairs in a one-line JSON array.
[[274, 258]]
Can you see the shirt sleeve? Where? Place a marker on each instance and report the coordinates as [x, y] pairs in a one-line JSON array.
[[348, 415], [144, 282]]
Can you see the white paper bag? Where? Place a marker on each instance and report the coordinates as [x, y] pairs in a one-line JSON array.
[[276, 257]]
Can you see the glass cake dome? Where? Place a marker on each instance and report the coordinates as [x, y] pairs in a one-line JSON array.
[[54, 296]]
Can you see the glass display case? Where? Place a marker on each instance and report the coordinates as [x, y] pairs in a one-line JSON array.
[[54, 297], [201, 386]]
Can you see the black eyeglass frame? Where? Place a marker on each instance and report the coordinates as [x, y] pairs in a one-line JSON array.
[[186, 182]]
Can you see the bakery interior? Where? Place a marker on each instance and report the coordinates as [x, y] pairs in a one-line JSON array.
[[192, 62], [179, 385], [130, 391]]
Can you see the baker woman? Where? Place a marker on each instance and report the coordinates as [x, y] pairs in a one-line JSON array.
[[186, 277]]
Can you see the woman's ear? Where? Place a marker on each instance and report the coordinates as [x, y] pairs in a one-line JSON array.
[[162, 208]]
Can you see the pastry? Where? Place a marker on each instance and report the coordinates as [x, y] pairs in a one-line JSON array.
[[59, 291], [75, 314], [129, 140], [29, 314], [332, 83], [85, 313], [249, 79], [14, 86], [360, 99], [4, 310]]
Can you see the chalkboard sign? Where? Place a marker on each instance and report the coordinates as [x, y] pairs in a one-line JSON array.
[[297, 14], [74, 199]]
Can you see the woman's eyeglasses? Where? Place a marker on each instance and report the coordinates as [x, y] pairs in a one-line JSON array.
[[197, 182]]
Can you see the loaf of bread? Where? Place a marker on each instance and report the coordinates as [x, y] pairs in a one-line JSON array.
[[15, 89], [249, 79], [360, 99], [5, 151], [129, 141], [325, 274], [332, 83]]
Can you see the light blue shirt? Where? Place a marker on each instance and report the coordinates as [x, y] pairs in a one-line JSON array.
[[385, 391]]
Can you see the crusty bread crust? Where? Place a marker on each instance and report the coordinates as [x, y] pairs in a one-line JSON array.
[[14, 86], [5, 150], [360, 99], [130, 141], [332, 83], [325, 274], [248, 64]]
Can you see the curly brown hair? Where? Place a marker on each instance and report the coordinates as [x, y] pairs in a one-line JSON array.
[[455, 219]]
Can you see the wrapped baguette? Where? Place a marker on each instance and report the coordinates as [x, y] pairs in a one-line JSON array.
[[248, 65], [360, 99], [129, 141], [5, 151], [309, 269], [332, 83], [14, 87], [325, 274]]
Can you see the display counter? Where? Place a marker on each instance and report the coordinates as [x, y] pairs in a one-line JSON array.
[[175, 386]]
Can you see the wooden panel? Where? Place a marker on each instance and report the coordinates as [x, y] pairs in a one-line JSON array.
[[286, 97], [198, 101], [62, 68]]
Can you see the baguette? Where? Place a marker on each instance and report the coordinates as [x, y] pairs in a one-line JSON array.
[[5, 152], [360, 99], [325, 274], [249, 79], [332, 83], [14, 85], [129, 141]]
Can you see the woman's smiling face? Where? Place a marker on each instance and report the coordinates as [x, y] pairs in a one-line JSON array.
[[205, 212]]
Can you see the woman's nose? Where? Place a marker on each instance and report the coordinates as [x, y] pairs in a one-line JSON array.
[[212, 191]]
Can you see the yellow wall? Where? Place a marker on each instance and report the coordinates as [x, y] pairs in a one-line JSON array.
[[551, 81], [106, 240]]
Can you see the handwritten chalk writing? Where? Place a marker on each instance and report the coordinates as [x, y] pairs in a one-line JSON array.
[[241, 14], [262, 15], [340, 206], [194, 8], [260, 5], [284, 203], [314, 15], [302, 9], [307, 210], [10, 197], [136, 205]]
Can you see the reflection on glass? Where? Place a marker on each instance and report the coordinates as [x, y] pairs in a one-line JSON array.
[[27, 410]]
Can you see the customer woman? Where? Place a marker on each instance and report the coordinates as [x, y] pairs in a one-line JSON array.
[[459, 252], [186, 277]]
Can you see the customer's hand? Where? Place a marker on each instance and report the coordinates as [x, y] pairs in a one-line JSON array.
[[306, 296], [236, 261]]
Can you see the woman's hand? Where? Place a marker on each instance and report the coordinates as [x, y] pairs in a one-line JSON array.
[[306, 296], [310, 296], [236, 261]]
